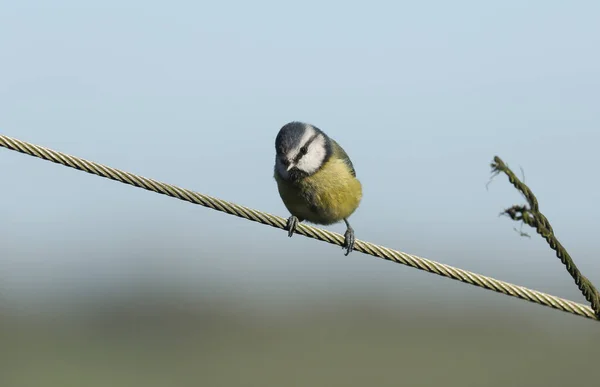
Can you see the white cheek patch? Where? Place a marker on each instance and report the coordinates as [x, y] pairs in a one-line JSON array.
[[306, 136], [315, 156]]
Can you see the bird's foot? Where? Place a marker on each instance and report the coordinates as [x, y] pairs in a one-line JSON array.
[[349, 240], [291, 225]]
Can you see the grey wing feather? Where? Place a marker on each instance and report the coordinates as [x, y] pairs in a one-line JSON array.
[[344, 156]]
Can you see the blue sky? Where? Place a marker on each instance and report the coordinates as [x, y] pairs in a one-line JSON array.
[[421, 95]]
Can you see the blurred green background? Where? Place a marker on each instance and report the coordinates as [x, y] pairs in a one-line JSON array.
[[154, 332]]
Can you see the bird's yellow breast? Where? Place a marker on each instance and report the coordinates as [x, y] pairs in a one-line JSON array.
[[325, 197]]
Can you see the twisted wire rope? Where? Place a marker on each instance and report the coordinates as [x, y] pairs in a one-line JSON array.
[[424, 264]]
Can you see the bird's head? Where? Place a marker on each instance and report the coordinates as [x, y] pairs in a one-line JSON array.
[[301, 150]]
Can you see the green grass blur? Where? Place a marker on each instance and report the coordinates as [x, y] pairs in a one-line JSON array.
[[142, 341]]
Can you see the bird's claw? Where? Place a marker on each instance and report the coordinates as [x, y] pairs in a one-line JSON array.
[[348, 241], [291, 225]]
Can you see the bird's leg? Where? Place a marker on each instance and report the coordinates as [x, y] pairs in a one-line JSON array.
[[292, 222], [348, 238]]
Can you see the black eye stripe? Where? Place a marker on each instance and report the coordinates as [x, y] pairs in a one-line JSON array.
[[304, 149]]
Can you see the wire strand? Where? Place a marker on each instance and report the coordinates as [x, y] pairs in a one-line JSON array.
[[532, 216], [424, 264]]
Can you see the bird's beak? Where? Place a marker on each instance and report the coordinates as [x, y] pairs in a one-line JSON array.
[[290, 167]]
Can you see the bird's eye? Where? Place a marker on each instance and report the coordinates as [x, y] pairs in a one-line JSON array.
[[304, 150]]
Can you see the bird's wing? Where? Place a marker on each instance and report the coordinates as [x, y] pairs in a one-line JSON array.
[[344, 156]]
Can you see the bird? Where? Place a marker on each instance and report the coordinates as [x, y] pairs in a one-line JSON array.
[[315, 178]]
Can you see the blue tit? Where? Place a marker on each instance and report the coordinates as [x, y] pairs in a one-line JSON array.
[[316, 179]]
